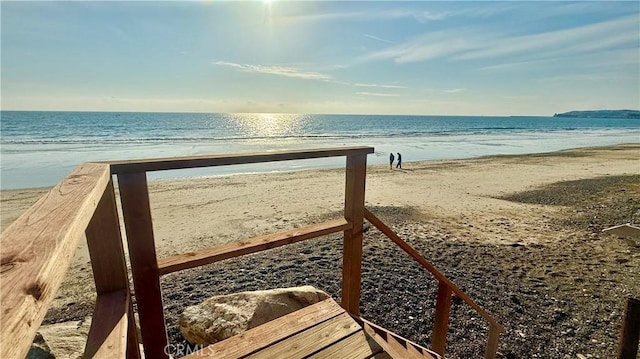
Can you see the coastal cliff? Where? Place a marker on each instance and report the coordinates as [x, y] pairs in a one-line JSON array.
[[634, 114]]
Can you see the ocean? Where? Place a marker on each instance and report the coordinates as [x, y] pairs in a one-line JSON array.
[[39, 148]]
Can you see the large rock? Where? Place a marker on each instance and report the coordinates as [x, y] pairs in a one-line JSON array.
[[61, 340], [224, 316]]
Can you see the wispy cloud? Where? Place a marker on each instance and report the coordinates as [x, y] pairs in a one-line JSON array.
[[372, 15], [477, 44], [275, 70], [454, 90], [426, 16], [574, 40], [378, 39], [380, 85], [378, 94]]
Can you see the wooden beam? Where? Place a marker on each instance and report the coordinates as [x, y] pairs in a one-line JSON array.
[[356, 172], [429, 267], [263, 335], [630, 334], [108, 334], [441, 319], [173, 163], [37, 250], [136, 212], [257, 244], [104, 242], [106, 251]]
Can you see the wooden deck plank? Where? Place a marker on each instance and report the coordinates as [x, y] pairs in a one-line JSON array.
[[257, 244], [357, 346], [311, 340], [37, 249], [172, 163], [108, 333], [413, 350], [383, 355], [263, 335]]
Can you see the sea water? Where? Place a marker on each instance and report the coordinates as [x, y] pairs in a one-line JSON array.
[[40, 148]]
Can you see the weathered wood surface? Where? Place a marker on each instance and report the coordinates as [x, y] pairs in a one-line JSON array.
[[106, 251], [104, 242], [356, 171], [136, 211], [172, 163], [264, 335], [257, 244], [441, 321], [430, 267], [357, 346], [37, 249], [108, 333], [311, 340]]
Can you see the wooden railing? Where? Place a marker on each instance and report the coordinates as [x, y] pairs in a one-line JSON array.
[[38, 247], [443, 301], [37, 250]]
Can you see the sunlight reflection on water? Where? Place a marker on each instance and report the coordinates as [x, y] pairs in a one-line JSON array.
[[259, 125]]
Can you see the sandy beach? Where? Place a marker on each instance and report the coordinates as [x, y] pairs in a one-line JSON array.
[[520, 234]]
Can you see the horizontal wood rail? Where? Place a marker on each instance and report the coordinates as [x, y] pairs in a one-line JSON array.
[[173, 163], [445, 288], [37, 249], [256, 244], [108, 333]]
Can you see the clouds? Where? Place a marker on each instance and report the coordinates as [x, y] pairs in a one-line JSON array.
[[447, 57], [478, 43], [276, 70], [377, 94]]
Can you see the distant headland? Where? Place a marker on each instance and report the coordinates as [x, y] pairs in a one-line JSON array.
[[601, 114]]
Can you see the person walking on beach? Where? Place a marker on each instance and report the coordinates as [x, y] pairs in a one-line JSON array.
[[399, 165], [391, 158]]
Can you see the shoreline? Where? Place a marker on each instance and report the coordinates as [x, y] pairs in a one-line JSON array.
[[459, 213], [320, 168], [37, 177]]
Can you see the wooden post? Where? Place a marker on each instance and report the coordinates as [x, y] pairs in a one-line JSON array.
[[441, 320], [492, 342], [136, 211], [354, 213], [104, 242], [630, 330]]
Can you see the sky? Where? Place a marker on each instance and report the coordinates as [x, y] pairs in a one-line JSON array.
[[357, 57]]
